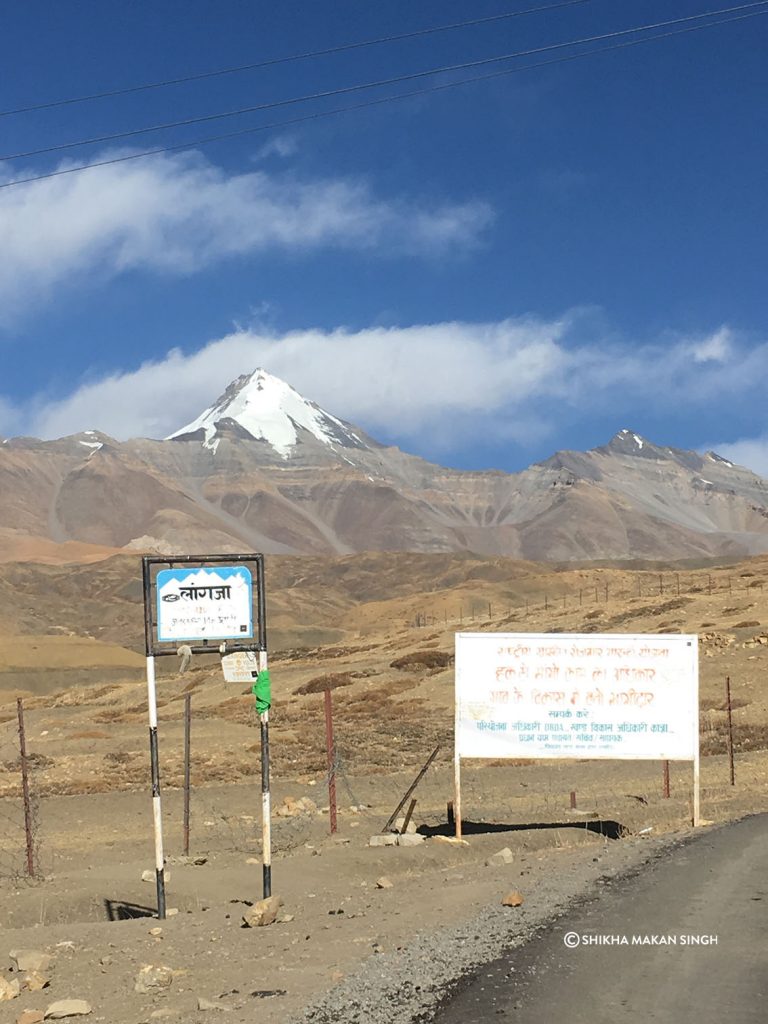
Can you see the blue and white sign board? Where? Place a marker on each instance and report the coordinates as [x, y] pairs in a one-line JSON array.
[[205, 604], [558, 695]]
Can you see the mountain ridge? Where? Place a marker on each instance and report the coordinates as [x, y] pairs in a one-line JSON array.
[[266, 469]]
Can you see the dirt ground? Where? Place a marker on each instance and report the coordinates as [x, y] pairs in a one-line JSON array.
[[87, 747]]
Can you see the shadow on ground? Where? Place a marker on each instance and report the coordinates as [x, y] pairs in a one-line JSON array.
[[599, 826], [119, 910]]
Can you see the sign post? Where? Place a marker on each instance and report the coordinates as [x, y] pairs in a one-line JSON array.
[[610, 696], [209, 604]]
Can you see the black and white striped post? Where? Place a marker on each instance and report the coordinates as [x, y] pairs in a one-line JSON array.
[[157, 813], [263, 702], [266, 800]]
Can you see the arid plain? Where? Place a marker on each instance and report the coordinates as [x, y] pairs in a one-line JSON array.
[[380, 629]]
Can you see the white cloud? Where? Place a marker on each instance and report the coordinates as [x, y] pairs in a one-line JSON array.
[[446, 386], [179, 213], [716, 348]]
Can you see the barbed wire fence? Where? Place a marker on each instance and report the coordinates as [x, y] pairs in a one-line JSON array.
[[473, 609]]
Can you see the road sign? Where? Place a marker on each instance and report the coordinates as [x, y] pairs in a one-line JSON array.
[[205, 604], [240, 667]]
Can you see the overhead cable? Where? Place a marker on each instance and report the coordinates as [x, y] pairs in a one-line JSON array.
[[380, 83], [290, 58], [317, 115]]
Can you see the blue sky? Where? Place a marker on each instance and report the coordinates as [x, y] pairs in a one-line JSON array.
[[481, 275]]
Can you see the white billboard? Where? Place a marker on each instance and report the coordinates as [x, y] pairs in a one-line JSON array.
[[569, 695]]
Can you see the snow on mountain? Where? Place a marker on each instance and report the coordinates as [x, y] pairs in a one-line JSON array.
[[265, 408]]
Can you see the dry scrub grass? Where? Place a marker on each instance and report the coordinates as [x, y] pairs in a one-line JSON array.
[[417, 660], [745, 738], [329, 681]]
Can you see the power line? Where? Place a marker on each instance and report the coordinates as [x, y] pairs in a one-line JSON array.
[[290, 58], [317, 115], [347, 90]]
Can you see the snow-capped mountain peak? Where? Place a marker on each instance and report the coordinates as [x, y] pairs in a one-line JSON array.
[[262, 407]]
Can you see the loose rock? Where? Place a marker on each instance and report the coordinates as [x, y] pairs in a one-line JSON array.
[[383, 883], [9, 990], [35, 981], [208, 1004], [262, 913], [513, 899], [30, 1017], [504, 856], [414, 839], [151, 876], [152, 978], [68, 1008], [380, 840], [400, 825], [451, 840], [30, 960]]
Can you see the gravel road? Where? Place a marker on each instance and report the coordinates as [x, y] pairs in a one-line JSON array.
[[684, 941], [413, 982]]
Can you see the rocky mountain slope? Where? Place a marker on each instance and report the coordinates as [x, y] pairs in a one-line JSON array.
[[264, 469]]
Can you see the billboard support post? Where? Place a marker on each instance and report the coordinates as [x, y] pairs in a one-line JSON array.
[[457, 777]]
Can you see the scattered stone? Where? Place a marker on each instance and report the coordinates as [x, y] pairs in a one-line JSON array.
[[9, 989], [262, 913], [35, 981], [451, 840], [171, 911], [383, 840], [286, 919], [384, 883], [252, 860], [29, 960], [164, 1011], [157, 932], [67, 1008], [30, 1017], [513, 899], [400, 824], [150, 875], [410, 839], [504, 856], [291, 807], [209, 1004], [152, 978]]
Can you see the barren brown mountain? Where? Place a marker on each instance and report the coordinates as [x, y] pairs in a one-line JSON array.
[[263, 469]]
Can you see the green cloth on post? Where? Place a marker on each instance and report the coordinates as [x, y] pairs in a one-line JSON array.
[[262, 689]]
